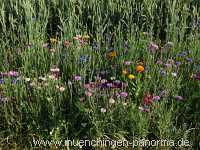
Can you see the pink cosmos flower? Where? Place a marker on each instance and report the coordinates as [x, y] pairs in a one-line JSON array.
[[13, 73], [87, 86], [124, 94], [45, 45], [156, 97], [55, 70], [52, 50], [127, 63], [88, 94], [78, 37], [66, 43]]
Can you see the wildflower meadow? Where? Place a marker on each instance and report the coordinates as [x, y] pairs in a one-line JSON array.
[[100, 74]]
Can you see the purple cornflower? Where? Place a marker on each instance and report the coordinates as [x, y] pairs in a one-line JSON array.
[[118, 84], [178, 98], [77, 78], [109, 85], [197, 76], [153, 47]]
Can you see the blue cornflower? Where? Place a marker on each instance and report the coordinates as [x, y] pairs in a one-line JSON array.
[[178, 63], [163, 73], [189, 60], [14, 81], [84, 59], [2, 81], [95, 46]]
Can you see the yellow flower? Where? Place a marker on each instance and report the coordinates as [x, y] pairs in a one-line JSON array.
[[131, 76], [140, 62], [53, 40], [112, 54], [86, 37], [124, 72], [191, 75]]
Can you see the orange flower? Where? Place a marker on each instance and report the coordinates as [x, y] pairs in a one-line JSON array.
[[140, 68]]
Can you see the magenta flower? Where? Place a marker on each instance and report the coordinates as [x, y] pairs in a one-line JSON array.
[[196, 76], [13, 74], [110, 85], [178, 98], [77, 78], [124, 94], [156, 97]]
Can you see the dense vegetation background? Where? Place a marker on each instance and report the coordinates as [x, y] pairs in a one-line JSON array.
[[28, 112]]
